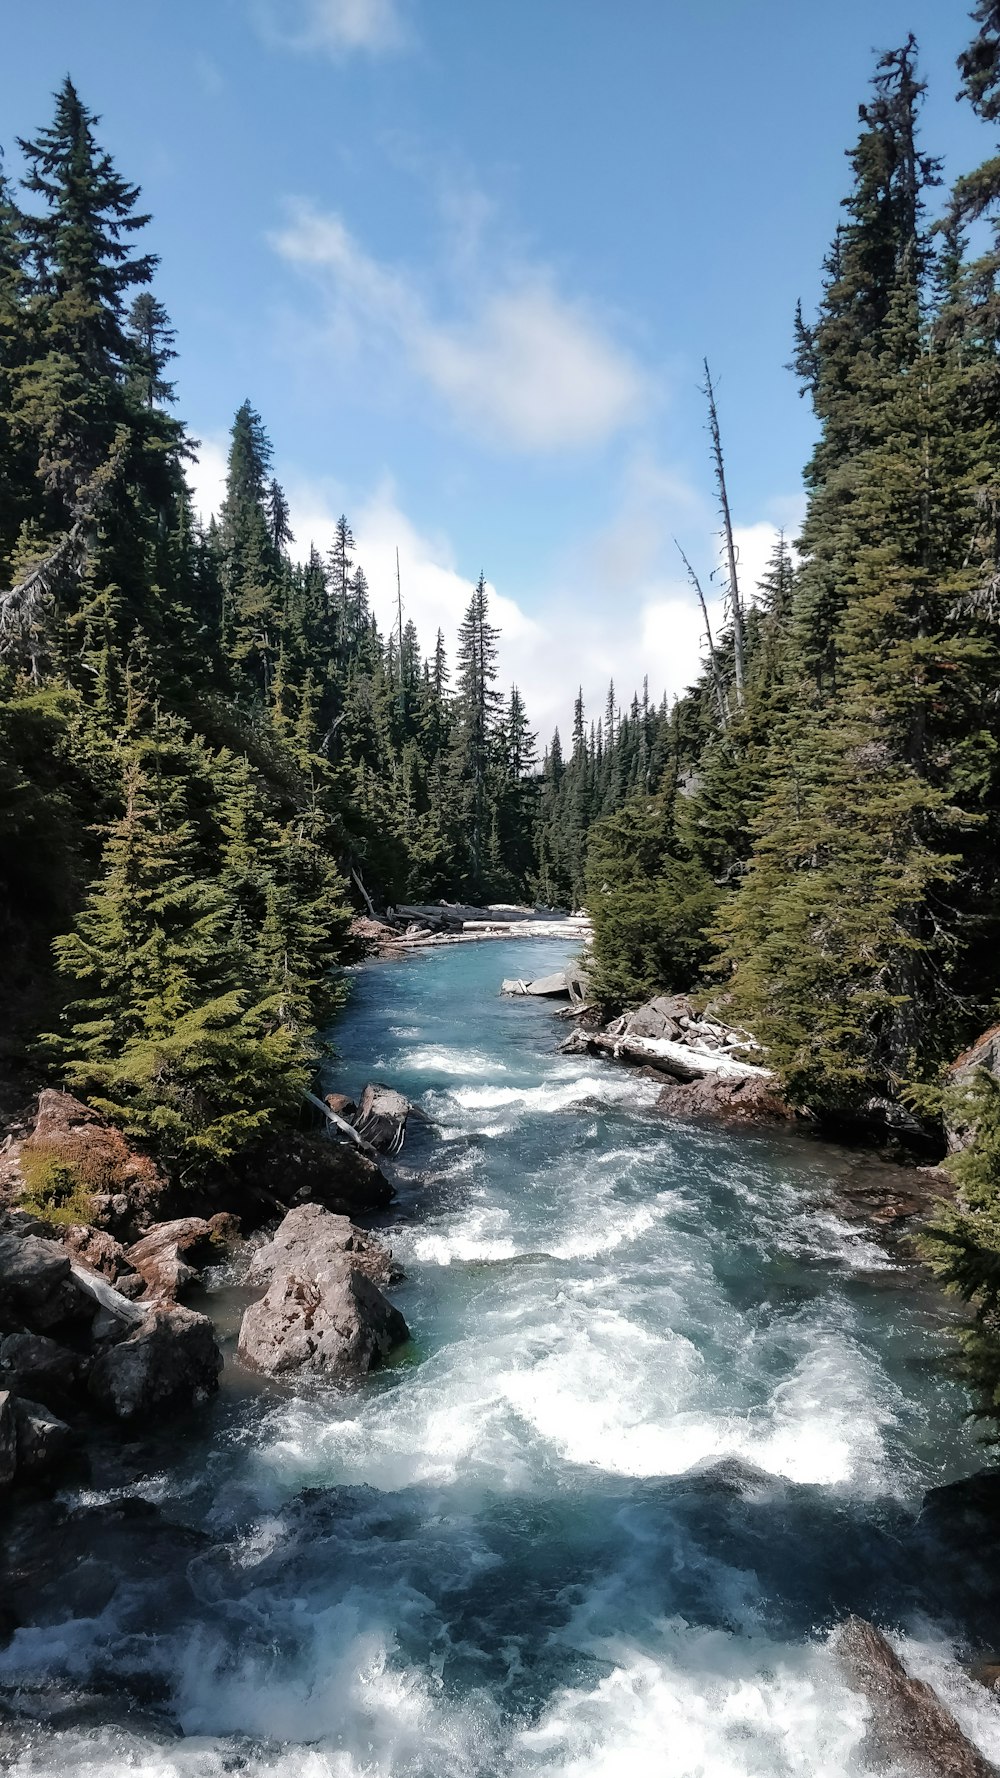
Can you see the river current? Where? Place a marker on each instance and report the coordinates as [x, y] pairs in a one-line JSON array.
[[664, 1419]]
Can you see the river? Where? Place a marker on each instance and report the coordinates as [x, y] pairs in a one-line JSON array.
[[663, 1420]]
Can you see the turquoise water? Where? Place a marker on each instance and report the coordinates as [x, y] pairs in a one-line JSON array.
[[664, 1419]]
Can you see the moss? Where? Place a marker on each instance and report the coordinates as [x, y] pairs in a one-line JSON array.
[[53, 1188]]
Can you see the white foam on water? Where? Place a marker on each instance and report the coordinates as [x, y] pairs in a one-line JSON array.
[[444, 1059], [705, 1705], [558, 1094]]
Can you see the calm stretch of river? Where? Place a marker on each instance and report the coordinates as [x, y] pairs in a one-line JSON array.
[[535, 1544]]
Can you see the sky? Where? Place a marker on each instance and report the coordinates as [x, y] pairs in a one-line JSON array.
[[466, 259]]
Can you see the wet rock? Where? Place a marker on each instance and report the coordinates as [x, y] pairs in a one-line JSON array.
[[40, 1367], [750, 1099], [43, 1440], [170, 1361], [59, 1563], [169, 1257], [310, 1236], [322, 1316], [909, 1723], [382, 1117]]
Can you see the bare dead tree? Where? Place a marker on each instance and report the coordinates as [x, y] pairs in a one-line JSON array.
[[720, 690], [718, 463]]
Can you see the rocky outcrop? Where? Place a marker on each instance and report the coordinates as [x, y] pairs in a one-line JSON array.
[[311, 1234], [298, 1168], [736, 1099], [170, 1361], [71, 1341], [124, 1188], [909, 1724], [381, 1118], [170, 1256], [323, 1311], [983, 1054]]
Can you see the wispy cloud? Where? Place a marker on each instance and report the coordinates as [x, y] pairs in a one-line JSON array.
[[337, 28], [522, 366]]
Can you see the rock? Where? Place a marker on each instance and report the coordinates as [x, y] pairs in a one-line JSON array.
[[341, 1105], [322, 1316], [126, 1186], [61, 1562], [550, 987], [97, 1250], [8, 1438], [660, 1017], [740, 1100], [43, 1441], [909, 1723], [311, 1235], [984, 1053], [300, 1169], [170, 1361], [37, 1286], [40, 1367], [382, 1117], [169, 1256]]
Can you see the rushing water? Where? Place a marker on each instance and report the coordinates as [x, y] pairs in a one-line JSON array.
[[664, 1419]]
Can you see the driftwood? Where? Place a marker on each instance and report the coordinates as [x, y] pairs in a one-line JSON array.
[[340, 1123]]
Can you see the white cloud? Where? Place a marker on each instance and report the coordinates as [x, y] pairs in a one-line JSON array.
[[206, 476], [337, 28], [582, 632], [525, 368]]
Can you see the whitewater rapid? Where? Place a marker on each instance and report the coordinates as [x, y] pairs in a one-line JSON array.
[[665, 1417]]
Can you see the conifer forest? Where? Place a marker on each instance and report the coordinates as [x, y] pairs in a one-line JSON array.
[[219, 775]]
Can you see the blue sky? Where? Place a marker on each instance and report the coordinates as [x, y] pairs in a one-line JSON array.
[[466, 258]]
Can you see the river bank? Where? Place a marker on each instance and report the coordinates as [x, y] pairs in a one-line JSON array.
[[665, 1418]]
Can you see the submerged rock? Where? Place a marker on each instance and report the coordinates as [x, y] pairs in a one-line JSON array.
[[311, 1235], [171, 1360], [909, 1723]]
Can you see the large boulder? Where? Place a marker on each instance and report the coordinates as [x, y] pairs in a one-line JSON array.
[[171, 1360], [310, 1236], [666, 1015], [909, 1725], [169, 1257], [381, 1118], [321, 1315], [302, 1168], [735, 1099], [39, 1367], [43, 1440], [125, 1187], [37, 1286]]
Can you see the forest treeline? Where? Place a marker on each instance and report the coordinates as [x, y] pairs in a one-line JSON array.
[[211, 757]]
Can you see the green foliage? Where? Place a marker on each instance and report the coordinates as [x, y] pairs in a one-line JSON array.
[[962, 1244], [651, 909]]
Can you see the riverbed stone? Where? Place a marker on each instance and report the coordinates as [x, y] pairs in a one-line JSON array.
[[40, 1367], [311, 1235], [43, 1440], [171, 1360], [323, 1316], [169, 1257], [909, 1723]]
